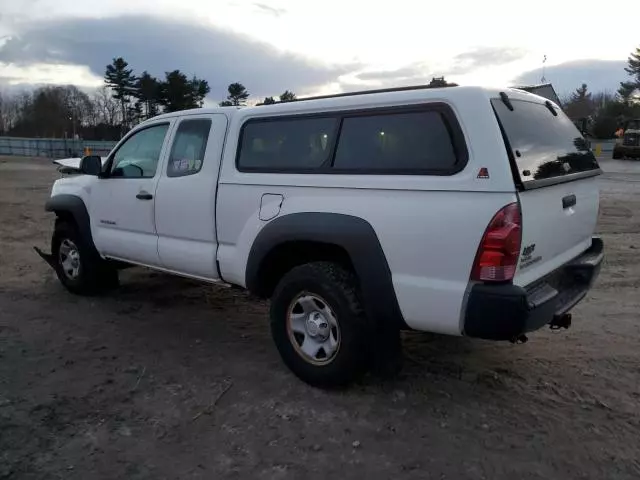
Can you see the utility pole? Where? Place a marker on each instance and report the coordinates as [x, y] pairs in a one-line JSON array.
[[544, 61]]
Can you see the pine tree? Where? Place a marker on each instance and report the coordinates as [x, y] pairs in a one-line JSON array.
[[625, 92], [633, 68], [581, 94], [579, 106], [122, 81], [177, 92], [238, 95], [148, 94], [287, 96], [200, 89]]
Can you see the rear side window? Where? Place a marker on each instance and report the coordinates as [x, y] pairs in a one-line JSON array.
[[395, 142], [544, 146], [413, 140], [189, 147], [287, 144]]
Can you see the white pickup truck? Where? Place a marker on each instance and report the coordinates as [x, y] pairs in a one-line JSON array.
[[460, 211]]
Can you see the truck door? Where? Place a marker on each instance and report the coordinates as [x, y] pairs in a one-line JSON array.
[[122, 202], [185, 213]]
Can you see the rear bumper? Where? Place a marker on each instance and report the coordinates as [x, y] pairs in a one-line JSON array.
[[504, 312]]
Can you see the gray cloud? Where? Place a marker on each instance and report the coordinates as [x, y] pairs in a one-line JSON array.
[[491, 55], [483, 57], [270, 10], [158, 45], [465, 62], [599, 75], [412, 71]]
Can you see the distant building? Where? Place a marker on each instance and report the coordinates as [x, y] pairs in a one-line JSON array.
[[545, 90]]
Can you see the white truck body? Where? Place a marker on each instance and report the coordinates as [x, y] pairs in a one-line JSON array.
[[203, 220]]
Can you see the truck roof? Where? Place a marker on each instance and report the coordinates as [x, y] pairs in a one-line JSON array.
[[366, 98]]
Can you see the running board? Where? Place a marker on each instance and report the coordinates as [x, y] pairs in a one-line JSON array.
[[47, 257]]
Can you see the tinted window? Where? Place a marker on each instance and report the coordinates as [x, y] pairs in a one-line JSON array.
[[293, 144], [398, 141], [138, 156], [544, 146], [189, 147]]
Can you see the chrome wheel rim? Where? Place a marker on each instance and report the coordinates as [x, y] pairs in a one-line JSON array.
[[69, 259], [313, 329]]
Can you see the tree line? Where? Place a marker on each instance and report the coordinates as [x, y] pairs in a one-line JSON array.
[[127, 99], [600, 114], [60, 112]]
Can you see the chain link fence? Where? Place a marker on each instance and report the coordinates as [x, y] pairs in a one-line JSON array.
[[53, 147]]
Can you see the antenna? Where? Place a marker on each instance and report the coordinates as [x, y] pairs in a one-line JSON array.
[[544, 61]]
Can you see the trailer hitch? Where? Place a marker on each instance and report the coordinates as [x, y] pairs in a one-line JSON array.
[[560, 321]]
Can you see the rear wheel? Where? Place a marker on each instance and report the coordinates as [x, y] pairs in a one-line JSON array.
[[318, 324], [78, 266]]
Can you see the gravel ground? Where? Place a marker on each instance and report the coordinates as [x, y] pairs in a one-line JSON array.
[[166, 378]]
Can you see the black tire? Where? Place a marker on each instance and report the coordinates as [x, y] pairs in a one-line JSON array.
[[94, 274], [337, 286], [616, 155]]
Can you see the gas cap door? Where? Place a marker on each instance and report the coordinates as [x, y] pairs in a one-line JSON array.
[[270, 205]]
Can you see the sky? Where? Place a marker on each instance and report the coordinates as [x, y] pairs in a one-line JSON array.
[[315, 47]]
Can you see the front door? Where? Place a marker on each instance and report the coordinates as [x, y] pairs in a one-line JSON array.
[[122, 206]]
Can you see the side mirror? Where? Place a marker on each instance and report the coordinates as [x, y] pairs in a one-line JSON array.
[[91, 165]]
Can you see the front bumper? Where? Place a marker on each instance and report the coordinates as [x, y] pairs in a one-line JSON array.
[[505, 312], [627, 150]]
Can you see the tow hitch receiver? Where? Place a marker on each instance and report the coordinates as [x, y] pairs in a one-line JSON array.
[[560, 321], [47, 257]]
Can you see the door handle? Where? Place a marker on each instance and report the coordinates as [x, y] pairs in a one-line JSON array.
[[144, 196], [569, 201]]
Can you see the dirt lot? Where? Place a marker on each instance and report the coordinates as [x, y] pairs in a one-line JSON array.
[[166, 378]]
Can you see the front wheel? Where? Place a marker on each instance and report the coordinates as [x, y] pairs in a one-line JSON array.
[[78, 266], [318, 324]]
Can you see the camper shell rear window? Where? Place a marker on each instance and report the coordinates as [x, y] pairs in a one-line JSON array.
[[545, 146]]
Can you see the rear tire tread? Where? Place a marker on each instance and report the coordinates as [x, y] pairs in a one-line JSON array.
[[338, 286]]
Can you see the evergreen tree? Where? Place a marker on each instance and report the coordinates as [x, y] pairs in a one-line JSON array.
[[148, 94], [287, 96], [177, 92], [633, 66], [122, 81], [238, 95]]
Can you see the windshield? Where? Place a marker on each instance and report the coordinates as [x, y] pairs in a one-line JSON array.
[[544, 145]]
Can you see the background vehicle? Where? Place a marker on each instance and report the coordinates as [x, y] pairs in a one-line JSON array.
[[628, 145]]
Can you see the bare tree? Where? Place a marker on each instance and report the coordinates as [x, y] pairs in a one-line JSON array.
[[106, 108]]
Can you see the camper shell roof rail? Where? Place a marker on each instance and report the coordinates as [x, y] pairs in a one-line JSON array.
[[370, 92]]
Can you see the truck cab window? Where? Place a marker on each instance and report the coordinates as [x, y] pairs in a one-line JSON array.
[[189, 148], [138, 156]]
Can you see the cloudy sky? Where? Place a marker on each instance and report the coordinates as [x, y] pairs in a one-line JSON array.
[[315, 47]]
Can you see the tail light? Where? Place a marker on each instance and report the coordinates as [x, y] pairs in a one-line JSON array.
[[499, 250]]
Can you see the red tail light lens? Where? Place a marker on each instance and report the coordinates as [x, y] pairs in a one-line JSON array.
[[499, 250]]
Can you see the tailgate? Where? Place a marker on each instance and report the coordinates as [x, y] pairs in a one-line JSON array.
[[555, 171]]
